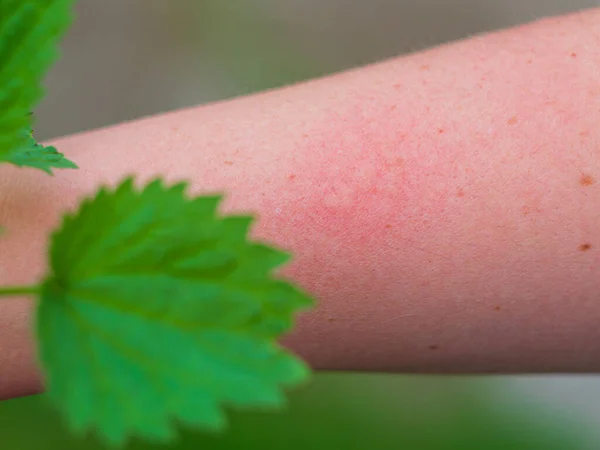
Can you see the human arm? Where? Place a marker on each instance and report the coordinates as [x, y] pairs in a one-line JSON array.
[[442, 207]]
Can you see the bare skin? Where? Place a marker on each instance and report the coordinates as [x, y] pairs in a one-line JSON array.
[[442, 207]]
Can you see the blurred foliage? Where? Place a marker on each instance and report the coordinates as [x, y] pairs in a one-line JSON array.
[[338, 411]]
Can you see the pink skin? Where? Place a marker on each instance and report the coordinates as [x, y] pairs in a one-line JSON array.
[[442, 207]]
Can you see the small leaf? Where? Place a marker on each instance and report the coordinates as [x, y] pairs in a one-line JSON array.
[[32, 154], [29, 32], [157, 310]]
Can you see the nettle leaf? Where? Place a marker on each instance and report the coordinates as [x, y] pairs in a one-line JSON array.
[[156, 309], [32, 154], [29, 32]]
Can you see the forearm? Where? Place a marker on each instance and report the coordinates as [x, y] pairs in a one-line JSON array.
[[439, 206]]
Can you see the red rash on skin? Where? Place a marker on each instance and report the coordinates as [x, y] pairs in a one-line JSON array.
[[345, 204]]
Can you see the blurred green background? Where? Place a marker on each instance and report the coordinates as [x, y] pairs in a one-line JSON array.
[[124, 59]]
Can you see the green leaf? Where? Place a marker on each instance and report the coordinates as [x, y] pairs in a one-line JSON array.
[[157, 309], [32, 154], [29, 32]]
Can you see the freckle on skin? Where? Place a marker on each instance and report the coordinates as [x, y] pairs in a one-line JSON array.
[[229, 163], [497, 308], [584, 247], [388, 226], [573, 55], [586, 180], [331, 319], [512, 120], [433, 347]]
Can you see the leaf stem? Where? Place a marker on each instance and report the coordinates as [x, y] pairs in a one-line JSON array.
[[32, 289]]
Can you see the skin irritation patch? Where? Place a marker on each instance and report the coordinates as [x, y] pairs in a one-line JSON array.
[[360, 175]]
